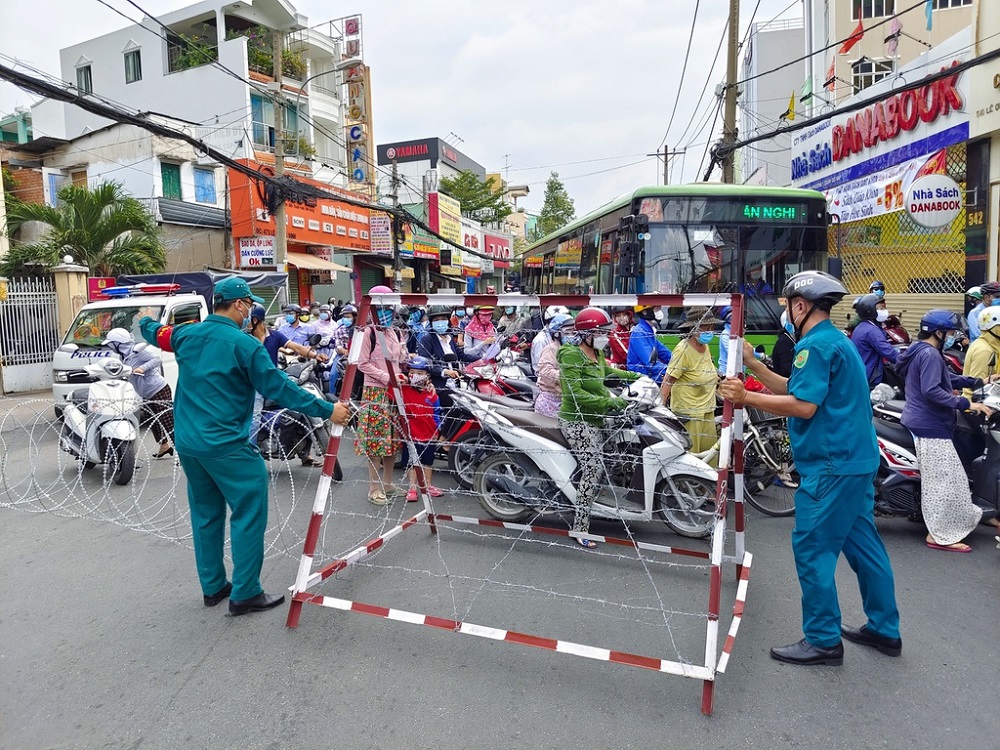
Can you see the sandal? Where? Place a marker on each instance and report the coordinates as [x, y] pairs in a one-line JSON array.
[[587, 543], [957, 547], [378, 498]]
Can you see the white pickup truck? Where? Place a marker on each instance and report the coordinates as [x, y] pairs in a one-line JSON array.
[[82, 343]]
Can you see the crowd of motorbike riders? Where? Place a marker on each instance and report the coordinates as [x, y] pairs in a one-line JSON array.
[[572, 357]]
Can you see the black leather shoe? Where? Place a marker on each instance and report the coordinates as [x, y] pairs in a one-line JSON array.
[[258, 603], [803, 653], [862, 635], [218, 596]]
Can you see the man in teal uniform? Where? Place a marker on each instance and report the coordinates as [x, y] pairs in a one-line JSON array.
[[221, 368], [833, 443]]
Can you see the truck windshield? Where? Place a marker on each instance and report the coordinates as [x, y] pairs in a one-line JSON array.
[[92, 325]]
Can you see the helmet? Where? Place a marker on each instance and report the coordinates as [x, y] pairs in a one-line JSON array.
[[291, 308], [865, 306], [559, 321], [814, 286], [348, 310], [591, 318], [726, 313], [646, 312], [990, 287], [552, 310], [380, 289], [876, 286], [975, 293], [117, 336], [258, 313], [438, 311], [325, 308], [941, 320], [419, 363], [621, 309], [854, 305], [484, 309], [989, 318]]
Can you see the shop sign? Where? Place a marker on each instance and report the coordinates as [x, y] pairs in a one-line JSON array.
[[256, 252], [310, 221], [445, 216], [497, 246], [893, 129], [419, 244], [533, 261], [569, 253], [934, 201], [381, 234], [472, 238], [882, 192]]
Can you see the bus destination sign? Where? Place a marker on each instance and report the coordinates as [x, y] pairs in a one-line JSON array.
[[787, 213]]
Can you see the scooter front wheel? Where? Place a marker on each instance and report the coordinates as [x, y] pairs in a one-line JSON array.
[[494, 472], [687, 505], [121, 460]]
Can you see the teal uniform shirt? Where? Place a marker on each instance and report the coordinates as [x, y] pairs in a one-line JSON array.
[[221, 368], [839, 438]]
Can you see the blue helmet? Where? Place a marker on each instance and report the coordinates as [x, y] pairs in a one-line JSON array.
[[726, 313], [257, 313], [558, 321], [935, 321], [419, 363]]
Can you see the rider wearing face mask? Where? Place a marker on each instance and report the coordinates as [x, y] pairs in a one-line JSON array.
[[989, 296], [783, 351], [442, 350], [982, 360], [620, 334], [585, 403], [689, 383], [549, 396], [646, 355], [929, 414], [325, 325], [870, 339], [509, 321]]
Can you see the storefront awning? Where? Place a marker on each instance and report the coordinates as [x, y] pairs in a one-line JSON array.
[[312, 263]]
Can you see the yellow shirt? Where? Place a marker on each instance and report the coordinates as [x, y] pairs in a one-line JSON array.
[[696, 378], [977, 359]]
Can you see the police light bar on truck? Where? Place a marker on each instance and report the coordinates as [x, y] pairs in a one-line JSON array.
[[119, 292]]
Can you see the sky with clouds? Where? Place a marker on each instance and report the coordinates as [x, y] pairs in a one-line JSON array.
[[584, 87]]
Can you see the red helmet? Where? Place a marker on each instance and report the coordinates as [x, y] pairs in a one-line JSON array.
[[591, 318]]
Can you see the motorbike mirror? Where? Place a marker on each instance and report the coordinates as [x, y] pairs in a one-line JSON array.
[[315, 339]]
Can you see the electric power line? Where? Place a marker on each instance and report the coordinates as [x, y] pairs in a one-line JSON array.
[[680, 81]]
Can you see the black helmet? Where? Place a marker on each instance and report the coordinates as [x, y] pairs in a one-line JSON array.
[[438, 311], [257, 312], [865, 306], [291, 308], [814, 286]]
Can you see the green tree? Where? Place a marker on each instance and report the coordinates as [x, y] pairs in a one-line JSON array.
[[557, 208], [480, 201], [104, 229]]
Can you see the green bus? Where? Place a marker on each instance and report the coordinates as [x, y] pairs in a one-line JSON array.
[[687, 238]]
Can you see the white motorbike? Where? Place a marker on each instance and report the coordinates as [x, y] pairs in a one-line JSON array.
[[101, 422], [650, 475]]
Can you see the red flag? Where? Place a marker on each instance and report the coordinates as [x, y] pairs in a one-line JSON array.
[[852, 39], [831, 75]]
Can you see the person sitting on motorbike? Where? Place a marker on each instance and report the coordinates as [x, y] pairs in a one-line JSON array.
[[509, 321], [929, 413], [989, 295], [540, 339], [423, 419], [586, 401], [297, 328], [870, 338], [149, 384], [690, 379], [981, 361], [345, 329], [646, 355], [877, 288], [620, 334], [325, 325], [549, 396], [480, 333]]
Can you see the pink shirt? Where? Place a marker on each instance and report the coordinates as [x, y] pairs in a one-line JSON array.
[[372, 362]]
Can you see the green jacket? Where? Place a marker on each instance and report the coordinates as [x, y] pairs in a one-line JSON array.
[[220, 370], [585, 398]]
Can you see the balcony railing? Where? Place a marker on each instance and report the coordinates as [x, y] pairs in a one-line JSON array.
[[295, 144]]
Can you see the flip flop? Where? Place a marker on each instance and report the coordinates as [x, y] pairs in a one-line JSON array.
[[378, 498], [587, 543], [946, 548]]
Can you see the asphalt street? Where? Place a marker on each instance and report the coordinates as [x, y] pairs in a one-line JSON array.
[[105, 643]]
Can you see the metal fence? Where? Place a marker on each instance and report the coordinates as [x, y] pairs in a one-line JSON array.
[[908, 258], [29, 332]]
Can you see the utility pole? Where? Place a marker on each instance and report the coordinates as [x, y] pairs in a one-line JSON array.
[[729, 114], [397, 258], [280, 230], [667, 153]]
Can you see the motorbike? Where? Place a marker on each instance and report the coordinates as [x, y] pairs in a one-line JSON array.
[[530, 470], [977, 441], [101, 422], [283, 432]]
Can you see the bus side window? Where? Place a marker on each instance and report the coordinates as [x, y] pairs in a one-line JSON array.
[[185, 314]]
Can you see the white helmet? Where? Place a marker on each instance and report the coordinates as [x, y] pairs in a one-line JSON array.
[[552, 310], [989, 319], [117, 336]]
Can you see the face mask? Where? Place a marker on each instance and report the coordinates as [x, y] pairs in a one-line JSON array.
[[469, 311], [789, 328], [658, 316], [459, 313], [440, 326], [995, 303], [949, 341], [881, 315], [600, 342], [324, 316], [304, 318], [289, 318], [346, 322], [508, 310], [879, 292], [705, 337], [418, 379], [385, 318], [622, 320], [485, 317]]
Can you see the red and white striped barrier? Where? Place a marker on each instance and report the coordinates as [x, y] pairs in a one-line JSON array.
[[730, 474]]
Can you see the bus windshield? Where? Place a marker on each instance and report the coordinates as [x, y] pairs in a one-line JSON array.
[[754, 260]]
